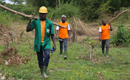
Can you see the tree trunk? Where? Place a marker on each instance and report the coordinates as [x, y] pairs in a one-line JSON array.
[[59, 3]]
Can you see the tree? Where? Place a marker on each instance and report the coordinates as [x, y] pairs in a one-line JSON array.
[[125, 3], [2, 2], [17, 1], [39, 3]]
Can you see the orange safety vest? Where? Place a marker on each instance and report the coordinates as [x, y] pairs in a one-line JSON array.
[[63, 32], [105, 34]]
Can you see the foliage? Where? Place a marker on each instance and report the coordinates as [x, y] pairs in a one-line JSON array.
[[39, 3], [1, 2], [47, 3], [17, 1], [121, 36], [105, 8], [116, 4], [125, 3], [6, 17], [67, 9], [89, 9], [93, 9], [29, 10]]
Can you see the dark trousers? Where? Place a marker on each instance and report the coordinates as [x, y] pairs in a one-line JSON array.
[[105, 42], [65, 41], [46, 57]]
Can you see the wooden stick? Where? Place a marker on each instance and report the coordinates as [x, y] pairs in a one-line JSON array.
[[118, 16], [24, 15]]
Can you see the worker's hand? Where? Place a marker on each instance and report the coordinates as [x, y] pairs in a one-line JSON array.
[[56, 37], [99, 39], [54, 47], [32, 16], [69, 38], [109, 23]]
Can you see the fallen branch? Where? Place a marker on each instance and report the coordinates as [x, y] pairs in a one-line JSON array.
[[24, 15], [118, 15]]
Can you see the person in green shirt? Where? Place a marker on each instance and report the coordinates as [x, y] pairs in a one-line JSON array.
[[43, 30]]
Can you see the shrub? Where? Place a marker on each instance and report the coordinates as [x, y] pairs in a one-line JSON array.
[[122, 36], [67, 9], [29, 10]]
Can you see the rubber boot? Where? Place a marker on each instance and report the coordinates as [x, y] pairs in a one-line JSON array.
[[65, 53], [106, 53], [45, 72], [41, 70], [45, 67], [61, 53], [102, 52]]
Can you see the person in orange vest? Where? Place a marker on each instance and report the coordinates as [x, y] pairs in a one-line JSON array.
[[104, 35], [43, 30], [64, 35]]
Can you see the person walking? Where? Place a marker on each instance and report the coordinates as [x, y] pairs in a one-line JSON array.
[[64, 35], [104, 36], [43, 30]]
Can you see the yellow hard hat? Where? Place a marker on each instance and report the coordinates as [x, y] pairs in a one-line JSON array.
[[43, 9]]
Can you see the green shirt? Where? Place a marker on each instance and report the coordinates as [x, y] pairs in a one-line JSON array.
[[49, 30]]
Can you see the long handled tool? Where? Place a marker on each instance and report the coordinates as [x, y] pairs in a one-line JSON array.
[[24, 15], [118, 16]]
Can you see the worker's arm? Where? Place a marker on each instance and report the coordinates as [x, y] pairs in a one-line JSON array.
[[28, 28], [110, 27], [69, 34], [53, 39], [57, 34], [100, 36], [57, 30]]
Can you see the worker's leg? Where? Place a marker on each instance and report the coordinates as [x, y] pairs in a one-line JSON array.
[[107, 47], [61, 46], [65, 47], [40, 61], [46, 61], [46, 56], [103, 45]]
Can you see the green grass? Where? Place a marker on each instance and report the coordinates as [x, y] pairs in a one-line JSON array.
[[115, 67]]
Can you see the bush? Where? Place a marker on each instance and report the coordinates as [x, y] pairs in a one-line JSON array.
[[29, 10], [8, 17], [67, 9], [122, 36]]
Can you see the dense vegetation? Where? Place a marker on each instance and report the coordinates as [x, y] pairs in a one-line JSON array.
[[122, 36], [88, 10]]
